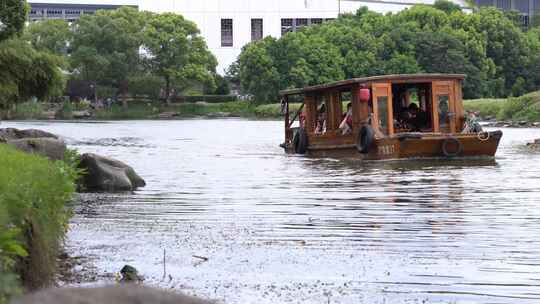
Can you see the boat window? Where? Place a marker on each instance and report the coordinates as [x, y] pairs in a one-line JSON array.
[[345, 113], [412, 107], [382, 107], [443, 110], [321, 114]]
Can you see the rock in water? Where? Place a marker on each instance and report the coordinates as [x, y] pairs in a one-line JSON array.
[[123, 294], [52, 148], [130, 274], [107, 174]]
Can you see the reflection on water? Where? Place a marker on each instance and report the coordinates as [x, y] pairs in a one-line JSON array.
[[282, 228]]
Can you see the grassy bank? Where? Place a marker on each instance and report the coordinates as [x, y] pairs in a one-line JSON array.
[[33, 219], [235, 108], [523, 108], [153, 110]]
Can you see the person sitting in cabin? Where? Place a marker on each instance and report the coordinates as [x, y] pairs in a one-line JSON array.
[[346, 123], [321, 120], [414, 118], [302, 119]]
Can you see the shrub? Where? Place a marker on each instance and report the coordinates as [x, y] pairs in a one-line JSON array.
[[27, 110], [209, 98], [146, 85], [33, 218]]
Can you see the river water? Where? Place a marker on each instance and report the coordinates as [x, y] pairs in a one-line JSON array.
[[280, 228]]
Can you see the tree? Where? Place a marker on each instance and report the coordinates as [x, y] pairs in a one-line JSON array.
[[177, 53], [25, 72], [496, 55], [53, 35], [447, 6], [12, 18], [257, 69], [106, 45]]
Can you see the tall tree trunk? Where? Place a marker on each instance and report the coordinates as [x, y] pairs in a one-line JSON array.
[[168, 90]]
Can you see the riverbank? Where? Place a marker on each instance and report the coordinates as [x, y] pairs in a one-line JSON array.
[[523, 111], [141, 111], [33, 219]]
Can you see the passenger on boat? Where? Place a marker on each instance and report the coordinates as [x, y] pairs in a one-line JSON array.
[[321, 120], [414, 118], [346, 123], [302, 118], [471, 124]]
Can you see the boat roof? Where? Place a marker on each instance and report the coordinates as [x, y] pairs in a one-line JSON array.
[[401, 78]]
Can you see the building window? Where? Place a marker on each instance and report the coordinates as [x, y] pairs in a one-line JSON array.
[[300, 23], [316, 21], [226, 32], [286, 26], [536, 5], [524, 20], [256, 29]]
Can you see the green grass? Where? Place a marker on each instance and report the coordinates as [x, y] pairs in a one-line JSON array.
[[151, 110], [33, 219], [28, 110], [523, 108]]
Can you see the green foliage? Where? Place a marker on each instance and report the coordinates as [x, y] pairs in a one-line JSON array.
[[33, 218], [222, 86], [177, 53], [26, 73], [27, 110], [106, 45], [257, 70], [497, 56], [53, 35], [447, 6], [146, 85], [12, 18]]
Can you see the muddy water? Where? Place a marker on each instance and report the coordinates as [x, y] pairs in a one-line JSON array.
[[288, 229]]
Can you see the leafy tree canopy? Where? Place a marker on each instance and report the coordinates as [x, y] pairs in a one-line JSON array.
[[53, 35], [106, 45], [12, 18], [487, 45], [177, 53]]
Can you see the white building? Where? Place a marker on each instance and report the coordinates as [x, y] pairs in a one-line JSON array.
[[228, 25]]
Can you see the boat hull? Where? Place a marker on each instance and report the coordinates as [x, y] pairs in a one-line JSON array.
[[405, 146]]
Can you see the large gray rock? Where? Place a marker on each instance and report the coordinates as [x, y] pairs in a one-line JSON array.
[[107, 174], [122, 294], [34, 141], [12, 133], [52, 148]]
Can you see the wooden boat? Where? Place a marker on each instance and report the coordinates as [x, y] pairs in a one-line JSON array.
[[389, 117]]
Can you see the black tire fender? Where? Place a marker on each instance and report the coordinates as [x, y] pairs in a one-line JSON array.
[[365, 139], [300, 141], [448, 141]]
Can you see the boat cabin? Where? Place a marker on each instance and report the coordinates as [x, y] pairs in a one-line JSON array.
[[332, 116]]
